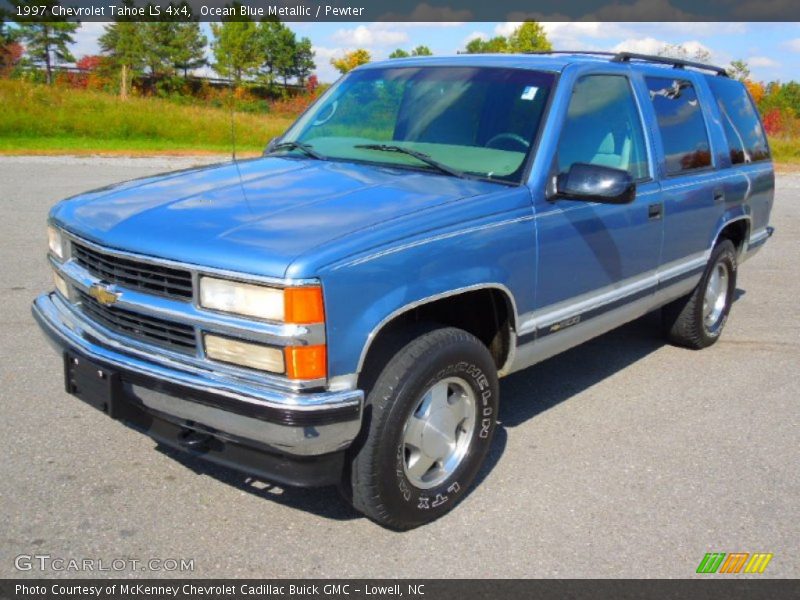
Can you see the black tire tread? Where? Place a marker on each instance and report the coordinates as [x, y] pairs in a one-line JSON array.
[[365, 496], [681, 325]]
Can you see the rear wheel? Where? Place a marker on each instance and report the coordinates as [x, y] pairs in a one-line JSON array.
[[430, 416], [697, 320]]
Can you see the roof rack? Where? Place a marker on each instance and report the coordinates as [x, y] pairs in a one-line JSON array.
[[621, 57]]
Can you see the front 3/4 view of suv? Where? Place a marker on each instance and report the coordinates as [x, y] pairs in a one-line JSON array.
[[339, 311]]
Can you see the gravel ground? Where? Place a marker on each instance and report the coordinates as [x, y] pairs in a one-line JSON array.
[[623, 457]]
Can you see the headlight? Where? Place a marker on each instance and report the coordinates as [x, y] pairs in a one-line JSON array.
[[300, 305], [56, 242], [244, 354]]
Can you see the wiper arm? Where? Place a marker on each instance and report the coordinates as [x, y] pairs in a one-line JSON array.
[[306, 149], [420, 156]]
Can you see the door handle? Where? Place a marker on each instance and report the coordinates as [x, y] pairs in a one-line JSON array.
[[654, 211], [719, 194]]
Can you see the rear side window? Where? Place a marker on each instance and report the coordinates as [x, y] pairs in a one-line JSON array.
[[603, 127], [746, 139], [681, 122]]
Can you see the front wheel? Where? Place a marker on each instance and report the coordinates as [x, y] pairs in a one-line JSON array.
[[431, 416], [697, 320]]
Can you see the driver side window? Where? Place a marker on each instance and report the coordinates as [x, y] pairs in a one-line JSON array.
[[603, 127]]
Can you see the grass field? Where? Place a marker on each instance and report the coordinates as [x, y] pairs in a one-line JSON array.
[[37, 119]]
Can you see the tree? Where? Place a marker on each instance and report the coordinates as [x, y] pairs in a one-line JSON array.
[[123, 43], [418, 51], [303, 60], [683, 52], [10, 50], [495, 45], [351, 60], [739, 70], [529, 37], [277, 44], [190, 47], [47, 42], [237, 48], [160, 49]]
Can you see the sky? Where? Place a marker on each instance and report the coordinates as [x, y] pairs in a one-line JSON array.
[[772, 50]]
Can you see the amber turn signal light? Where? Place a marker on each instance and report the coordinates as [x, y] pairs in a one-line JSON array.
[[306, 362], [303, 305]]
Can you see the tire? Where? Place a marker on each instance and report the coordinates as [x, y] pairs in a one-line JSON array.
[[695, 322], [442, 380]]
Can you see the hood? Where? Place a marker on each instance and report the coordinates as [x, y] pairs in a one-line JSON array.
[[279, 209]]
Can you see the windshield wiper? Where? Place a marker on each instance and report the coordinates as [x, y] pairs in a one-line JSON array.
[[421, 156], [306, 149]]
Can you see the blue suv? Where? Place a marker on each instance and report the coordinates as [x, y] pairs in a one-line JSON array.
[[339, 311]]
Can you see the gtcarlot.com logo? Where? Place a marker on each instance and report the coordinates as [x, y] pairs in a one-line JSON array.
[[47, 562], [734, 562]]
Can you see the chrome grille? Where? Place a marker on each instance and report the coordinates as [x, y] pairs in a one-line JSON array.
[[153, 330], [133, 274]]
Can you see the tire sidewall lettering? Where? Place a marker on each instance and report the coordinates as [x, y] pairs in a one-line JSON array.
[[446, 492]]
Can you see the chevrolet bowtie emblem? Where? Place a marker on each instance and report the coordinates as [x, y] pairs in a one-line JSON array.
[[103, 294]]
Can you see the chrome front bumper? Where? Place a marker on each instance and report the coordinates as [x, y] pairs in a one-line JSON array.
[[303, 424]]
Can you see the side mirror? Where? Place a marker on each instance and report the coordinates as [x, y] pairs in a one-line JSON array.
[[594, 183], [271, 145]]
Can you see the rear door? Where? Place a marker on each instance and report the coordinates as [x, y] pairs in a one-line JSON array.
[[693, 193]]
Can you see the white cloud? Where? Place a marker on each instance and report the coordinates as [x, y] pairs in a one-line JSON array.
[[793, 45], [507, 28], [475, 35], [649, 45], [761, 61], [373, 34], [322, 57]]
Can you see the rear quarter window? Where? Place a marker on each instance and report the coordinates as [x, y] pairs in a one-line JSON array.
[[747, 141], [681, 123]]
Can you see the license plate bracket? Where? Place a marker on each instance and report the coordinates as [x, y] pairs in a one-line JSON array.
[[95, 384]]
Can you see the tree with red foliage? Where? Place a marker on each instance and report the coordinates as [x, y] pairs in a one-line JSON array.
[[312, 84], [89, 63], [773, 121], [10, 55]]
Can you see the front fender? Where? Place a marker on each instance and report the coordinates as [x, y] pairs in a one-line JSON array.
[[365, 292]]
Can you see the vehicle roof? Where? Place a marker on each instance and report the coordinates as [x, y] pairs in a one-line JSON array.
[[543, 62]]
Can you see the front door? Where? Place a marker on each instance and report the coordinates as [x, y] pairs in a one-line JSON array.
[[596, 259]]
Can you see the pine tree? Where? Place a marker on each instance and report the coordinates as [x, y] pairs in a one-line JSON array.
[[123, 42], [190, 47], [47, 42], [236, 48]]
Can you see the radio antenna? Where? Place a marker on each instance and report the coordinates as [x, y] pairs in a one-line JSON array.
[[233, 142], [233, 123]]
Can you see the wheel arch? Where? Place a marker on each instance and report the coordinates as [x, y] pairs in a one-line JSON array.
[[440, 300], [735, 226]]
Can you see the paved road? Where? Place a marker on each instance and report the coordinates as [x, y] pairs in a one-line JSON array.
[[623, 457]]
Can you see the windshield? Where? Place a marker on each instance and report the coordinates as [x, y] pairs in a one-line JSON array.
[[472, 121]]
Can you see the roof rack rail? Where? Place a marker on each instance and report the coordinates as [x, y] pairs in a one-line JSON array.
[[620, 57], [677, 63]]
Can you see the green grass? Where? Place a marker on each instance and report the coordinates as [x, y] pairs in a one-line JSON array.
[[42, 119], [785, 149]]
